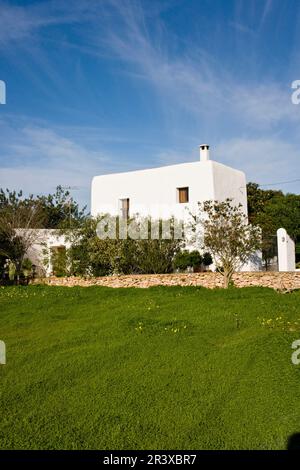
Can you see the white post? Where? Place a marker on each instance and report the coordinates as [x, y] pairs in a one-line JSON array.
[[286, 251]]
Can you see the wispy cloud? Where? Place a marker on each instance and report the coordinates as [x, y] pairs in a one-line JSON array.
[[194, 80], [264, 160], [246, 116], [19, 22], [266, 11], [242, 28], [38, 159]]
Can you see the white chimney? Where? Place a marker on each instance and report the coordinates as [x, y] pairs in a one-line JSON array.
[[204, 152]]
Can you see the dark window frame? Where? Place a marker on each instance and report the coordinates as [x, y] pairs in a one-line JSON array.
[[183, 195]]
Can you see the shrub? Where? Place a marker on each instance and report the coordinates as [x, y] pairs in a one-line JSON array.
[[207, 259], [98, 257], [156, 256], [59, 261], [182, 260], [27, 268], [194, 259], [11, 271]]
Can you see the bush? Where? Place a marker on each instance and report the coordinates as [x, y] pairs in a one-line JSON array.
[[185, 259], [91, 255], [195, 259], [90, 258], [59, 262], [156, 256], [207, 259], [11, 271], [27, 268], [182, 260]]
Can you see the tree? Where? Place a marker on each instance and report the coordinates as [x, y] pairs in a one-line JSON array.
[[57, 210], [271, 210], [60, 210], [20, 217], [223, 229], [258, 199], [18, 232]]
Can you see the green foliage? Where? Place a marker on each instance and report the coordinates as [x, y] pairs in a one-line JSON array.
[[155, 256], [11, 271], [17, 230], [60, 210], [59, 261], [91, 255], [17, 212], [194, 259], [81, 375], [27, 268], [222, 228], [57, 210], [207, 259], [182, 260], [271, 210]]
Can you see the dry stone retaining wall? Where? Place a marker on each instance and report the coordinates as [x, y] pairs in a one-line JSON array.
[[275, 280]]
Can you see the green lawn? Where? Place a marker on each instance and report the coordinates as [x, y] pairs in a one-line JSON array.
[[166, 367]]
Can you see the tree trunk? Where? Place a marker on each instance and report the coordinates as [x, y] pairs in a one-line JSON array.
[[227, 276]]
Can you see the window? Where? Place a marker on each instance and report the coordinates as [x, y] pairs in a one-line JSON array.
[[124, 208], [183, 195]]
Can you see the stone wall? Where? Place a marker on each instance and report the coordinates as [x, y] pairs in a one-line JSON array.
[[275, 280]]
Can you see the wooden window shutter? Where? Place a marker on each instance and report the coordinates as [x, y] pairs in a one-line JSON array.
[[183, 195]]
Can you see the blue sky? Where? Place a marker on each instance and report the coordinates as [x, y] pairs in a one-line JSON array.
[[101, 86]]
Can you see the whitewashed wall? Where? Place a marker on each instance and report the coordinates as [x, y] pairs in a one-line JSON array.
[[40, 251], [286, 251], [154, 191]]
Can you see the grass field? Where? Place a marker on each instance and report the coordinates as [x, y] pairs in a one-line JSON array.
[[159, 368]]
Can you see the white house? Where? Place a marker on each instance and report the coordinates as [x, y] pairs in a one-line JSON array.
[[163, 192], [169, 190], [45, 243]]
